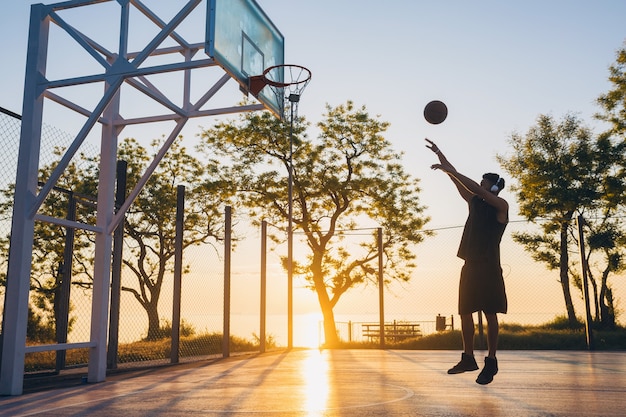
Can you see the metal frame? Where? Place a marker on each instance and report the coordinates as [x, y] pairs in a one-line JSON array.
[[121, 67]]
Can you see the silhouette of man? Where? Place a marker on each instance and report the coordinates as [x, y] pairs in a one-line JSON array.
[[481, 286]]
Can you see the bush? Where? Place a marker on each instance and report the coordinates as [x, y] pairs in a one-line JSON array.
[[38, 329], [554, 335], [562, 323], [144, 350], [186, 329]]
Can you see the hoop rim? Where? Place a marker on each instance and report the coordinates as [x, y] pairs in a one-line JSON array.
[[286, 84]]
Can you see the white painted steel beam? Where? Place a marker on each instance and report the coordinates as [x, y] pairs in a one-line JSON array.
[[15, 314], [118, 68]]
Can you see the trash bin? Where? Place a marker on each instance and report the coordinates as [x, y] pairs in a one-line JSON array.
[[440, 323]]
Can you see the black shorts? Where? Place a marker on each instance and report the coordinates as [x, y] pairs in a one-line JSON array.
[[481, 288]]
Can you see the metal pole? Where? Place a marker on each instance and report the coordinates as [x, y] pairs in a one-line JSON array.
[[381, 289], [263, 285], [227, 257], [178, 273], [116, 270], [481, 331], [580, 221], [62, 304], [290, 239], [15, 317]]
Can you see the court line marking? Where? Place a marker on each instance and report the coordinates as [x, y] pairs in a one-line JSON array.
[[408, 393]]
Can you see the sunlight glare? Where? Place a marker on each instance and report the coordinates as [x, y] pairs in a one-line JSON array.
[[316, 388], [308, 330]]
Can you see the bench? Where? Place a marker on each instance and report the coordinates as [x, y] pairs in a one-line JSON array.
[[395, 332]]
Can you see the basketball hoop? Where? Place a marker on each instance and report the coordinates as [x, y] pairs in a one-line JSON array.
[[286, 81]]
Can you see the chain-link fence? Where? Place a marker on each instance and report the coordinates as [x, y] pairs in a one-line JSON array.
[[425, 304], [46, 280]]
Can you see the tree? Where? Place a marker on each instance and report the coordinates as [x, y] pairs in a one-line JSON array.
[[348, 175], [613, 103], [561, 172], [606, 238], [612, 239], [49, 267], [150, 226]]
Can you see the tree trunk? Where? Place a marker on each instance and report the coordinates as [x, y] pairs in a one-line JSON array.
[[607, 315], [330, 329], [596, 297], [154, 325], [564, 277]]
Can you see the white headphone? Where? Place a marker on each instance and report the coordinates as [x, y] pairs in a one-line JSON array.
[[497, 186]]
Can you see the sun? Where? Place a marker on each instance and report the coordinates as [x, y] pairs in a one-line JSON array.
[[308, 330]]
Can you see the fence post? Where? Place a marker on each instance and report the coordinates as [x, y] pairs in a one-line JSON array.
[[263, 285], [381, 288], [580, 221], [481, 332], [178, 272], [62, 303], [116, 269], [349, 330], [227, 248]]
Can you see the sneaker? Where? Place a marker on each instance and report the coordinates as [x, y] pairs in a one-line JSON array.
[[490, 369], [467, 363]]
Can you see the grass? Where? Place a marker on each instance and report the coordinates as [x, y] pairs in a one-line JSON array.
[[526, 339], [550, 336], [148, 350]]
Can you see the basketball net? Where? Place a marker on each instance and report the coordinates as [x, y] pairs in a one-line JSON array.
[[287, 82]]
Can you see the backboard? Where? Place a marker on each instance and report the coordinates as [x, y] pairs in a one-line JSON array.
[[244, 42]]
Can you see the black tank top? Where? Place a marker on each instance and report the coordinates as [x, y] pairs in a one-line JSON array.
[[482, 233]]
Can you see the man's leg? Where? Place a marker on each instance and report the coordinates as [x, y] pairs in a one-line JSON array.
[[467, 363], [491, 363], [492, 334], [467, 330]]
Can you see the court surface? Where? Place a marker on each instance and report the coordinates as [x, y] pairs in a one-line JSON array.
[[348, 383]]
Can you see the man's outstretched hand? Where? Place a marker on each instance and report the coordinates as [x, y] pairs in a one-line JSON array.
[[431, 145]]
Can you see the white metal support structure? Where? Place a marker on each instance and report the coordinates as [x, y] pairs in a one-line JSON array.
[[119, 68]]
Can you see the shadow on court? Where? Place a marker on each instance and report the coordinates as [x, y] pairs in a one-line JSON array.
[[346, 383]]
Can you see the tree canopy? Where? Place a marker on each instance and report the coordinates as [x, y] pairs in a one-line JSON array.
[[346, 177], [563, 170], [150, 225]]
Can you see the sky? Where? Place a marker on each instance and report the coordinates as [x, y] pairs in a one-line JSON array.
[[496, 64]]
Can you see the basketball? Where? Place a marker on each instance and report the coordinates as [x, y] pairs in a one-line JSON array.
[[435, 112]]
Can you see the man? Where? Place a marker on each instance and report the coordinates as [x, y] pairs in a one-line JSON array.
[[481, 287]]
